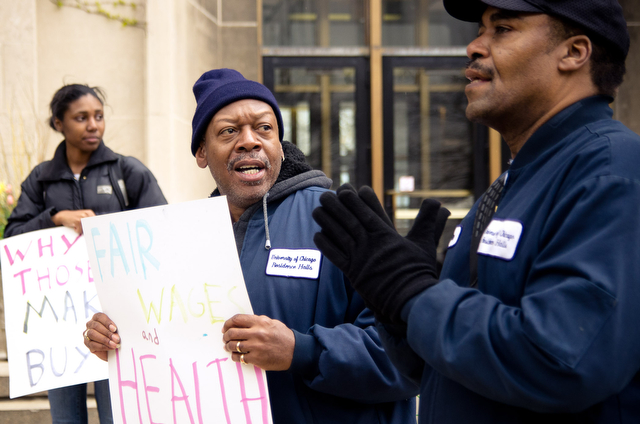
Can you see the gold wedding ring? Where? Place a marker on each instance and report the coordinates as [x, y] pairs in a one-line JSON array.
[[238, 347], [86, 335], [242, 360]]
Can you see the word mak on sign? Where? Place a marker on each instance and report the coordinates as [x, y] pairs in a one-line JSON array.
[[169, 276], [49, 294]]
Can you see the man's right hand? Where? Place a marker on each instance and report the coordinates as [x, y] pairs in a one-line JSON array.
[[101, 336]]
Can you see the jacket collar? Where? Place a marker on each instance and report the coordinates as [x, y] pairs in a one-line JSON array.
[[58, 168], [577, 115]]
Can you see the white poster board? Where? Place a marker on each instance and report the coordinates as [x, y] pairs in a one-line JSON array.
[[169, 276], [49, 295]]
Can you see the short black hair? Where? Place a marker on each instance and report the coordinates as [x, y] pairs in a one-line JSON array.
[[68, 94], [607, 64]]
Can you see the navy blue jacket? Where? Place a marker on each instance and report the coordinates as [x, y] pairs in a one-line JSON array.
[[340, 372], [550, 335], [51, 187]]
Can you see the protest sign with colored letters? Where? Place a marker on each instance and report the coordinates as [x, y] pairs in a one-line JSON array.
[[169, 276], [49, 294]]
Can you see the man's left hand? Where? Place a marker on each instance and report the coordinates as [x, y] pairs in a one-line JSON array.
[[259, 340]]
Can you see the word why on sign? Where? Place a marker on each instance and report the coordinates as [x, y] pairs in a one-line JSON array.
[[43, 246]]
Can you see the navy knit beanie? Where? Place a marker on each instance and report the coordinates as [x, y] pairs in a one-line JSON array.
[[216, 89]]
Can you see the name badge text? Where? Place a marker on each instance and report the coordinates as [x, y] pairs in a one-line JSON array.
[[296, 263], [500, 239]]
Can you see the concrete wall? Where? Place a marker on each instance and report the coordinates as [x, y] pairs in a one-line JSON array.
[[76, 47], [18, 87], [147, 74], [186, 38], [44, 47], [177, 38]]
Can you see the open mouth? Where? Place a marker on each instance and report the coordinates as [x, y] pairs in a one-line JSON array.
[[472, 75], [475, 75], [477, 79], [249, 169]]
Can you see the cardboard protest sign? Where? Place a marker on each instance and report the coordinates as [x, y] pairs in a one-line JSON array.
[[49, 295], [169, 276]]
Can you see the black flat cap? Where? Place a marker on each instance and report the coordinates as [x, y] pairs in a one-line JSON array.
[[603, 18]]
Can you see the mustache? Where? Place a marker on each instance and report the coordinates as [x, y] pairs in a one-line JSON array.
[[473, 64], [251, 155]]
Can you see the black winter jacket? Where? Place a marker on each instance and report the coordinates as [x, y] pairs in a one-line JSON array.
[[50, 188]]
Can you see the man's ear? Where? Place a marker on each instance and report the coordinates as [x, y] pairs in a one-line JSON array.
[[201, 157], [577, 52]]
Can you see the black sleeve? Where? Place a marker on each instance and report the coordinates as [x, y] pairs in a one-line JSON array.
[[142, 188], [30, 213]]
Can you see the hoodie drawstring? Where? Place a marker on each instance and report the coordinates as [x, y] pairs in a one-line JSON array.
[[267, 245]]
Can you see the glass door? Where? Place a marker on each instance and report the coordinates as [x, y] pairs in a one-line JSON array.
[[324, 105], [430, 148]]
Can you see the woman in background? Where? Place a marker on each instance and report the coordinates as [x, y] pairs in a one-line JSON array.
[[85, 178]]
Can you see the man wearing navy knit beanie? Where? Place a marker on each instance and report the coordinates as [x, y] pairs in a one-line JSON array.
[[312, 333], [534, 316]]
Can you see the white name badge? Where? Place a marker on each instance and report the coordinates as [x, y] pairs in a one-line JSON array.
[[297, 263], [104, 189], [500, 239], [456, 236]]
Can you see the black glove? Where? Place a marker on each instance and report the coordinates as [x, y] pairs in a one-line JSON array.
[[384, 268], [419, 232], [370, 198], [418, 235], [426, 234]]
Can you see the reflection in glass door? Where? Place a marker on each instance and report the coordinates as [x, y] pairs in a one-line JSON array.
[[324, 110], [431, 149]]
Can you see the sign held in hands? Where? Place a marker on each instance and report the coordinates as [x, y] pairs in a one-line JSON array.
[[169, 276], [49, 294]]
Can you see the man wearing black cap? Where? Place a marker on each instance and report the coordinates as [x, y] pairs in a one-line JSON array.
[[533, 318], [311, 332]]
